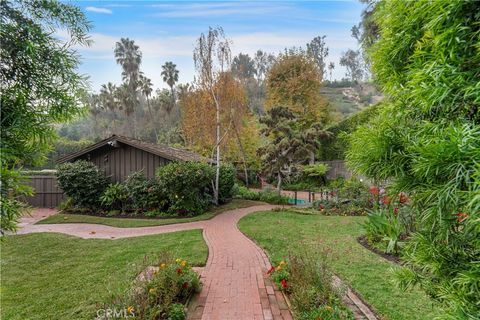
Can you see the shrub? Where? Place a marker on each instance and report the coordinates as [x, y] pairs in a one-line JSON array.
[[187, 186], [307, 280], [115, 197], [426, 143], [226, 183], [82, 182], [384, 226], [272, 197], [144, 194], [245, 193]]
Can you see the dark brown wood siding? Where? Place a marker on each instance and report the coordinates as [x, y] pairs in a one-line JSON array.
[[118, 163], [47, 193]]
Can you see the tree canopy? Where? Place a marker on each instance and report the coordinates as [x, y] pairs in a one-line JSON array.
[[40, 86]]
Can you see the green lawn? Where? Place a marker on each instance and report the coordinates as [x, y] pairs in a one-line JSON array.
[[132, 223], [54, 276], [369, 274]]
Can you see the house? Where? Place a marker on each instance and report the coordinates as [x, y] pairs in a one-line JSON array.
[[119, 156]]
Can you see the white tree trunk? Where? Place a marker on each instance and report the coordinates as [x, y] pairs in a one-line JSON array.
[[217, 175]]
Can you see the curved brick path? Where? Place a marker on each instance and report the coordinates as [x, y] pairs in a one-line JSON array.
[[235, 285]]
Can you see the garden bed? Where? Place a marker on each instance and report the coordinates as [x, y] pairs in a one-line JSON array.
[[390, 257], [131, 222]]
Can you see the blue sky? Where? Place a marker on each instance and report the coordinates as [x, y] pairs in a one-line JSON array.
[[167, 31]]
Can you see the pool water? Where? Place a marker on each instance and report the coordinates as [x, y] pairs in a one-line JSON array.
[[299, 201]]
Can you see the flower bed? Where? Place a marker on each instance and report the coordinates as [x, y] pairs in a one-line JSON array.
[[307, 282], [160, 293]]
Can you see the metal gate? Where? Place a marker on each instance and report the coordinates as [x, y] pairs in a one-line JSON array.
[[47, 193]]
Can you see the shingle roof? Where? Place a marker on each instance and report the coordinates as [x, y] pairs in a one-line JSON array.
[[157, 149]]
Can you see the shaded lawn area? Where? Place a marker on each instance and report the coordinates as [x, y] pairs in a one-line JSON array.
[[54, 276], [369, 274], [145, 222]]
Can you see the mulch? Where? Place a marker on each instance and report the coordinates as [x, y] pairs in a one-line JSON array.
[[390, 257]]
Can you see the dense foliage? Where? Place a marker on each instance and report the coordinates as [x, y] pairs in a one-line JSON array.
[[227, 183], [39, 84], [426, 141], [265, 195], [82, 182], [188, 186], [336, 145]]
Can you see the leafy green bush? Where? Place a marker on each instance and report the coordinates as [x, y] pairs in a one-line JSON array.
[[307, 280], [115, 197], [426, 141], [272, 197], [385, 226], [163, 293], [82, 182], [245, 193], [144, 194], [266, 195], [226, 183], [187, 186]]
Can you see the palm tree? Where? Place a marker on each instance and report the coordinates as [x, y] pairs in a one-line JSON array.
[[146, 87], [128, 55], [125, 103], [170, 76], [108, 100]]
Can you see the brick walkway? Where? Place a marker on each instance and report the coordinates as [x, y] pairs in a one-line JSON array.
[[235, 284]]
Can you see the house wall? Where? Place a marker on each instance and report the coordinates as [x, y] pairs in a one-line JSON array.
[[118, 163]]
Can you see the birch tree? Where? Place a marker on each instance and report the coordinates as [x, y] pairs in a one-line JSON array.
[[212, 57]]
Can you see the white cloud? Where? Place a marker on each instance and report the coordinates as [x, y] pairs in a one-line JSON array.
[[182, 10], [179, 49], [98, 10]]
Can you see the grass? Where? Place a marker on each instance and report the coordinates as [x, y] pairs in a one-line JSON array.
[[54, 276], [369, 274], [144, 222]]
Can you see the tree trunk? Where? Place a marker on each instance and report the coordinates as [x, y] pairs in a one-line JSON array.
[[217, 175], [312, 158], [173, 98], [279, 182]]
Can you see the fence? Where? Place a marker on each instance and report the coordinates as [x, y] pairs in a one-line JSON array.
[[337, 169], [47, 193]]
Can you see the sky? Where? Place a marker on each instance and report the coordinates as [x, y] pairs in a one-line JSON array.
[[167, 31]]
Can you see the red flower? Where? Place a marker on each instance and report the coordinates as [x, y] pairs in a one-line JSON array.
[[386, 200], [284, 283], [322, 207], [271, 270], [185, 285], [403, 198], [373, 190], [179, 271], [395, 210], [462, 216]]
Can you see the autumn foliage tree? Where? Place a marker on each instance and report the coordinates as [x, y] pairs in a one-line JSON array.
[[294, 82], [238, 132]]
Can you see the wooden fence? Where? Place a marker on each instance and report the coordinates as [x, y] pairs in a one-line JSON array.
[[337, 169], [47, 193]]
